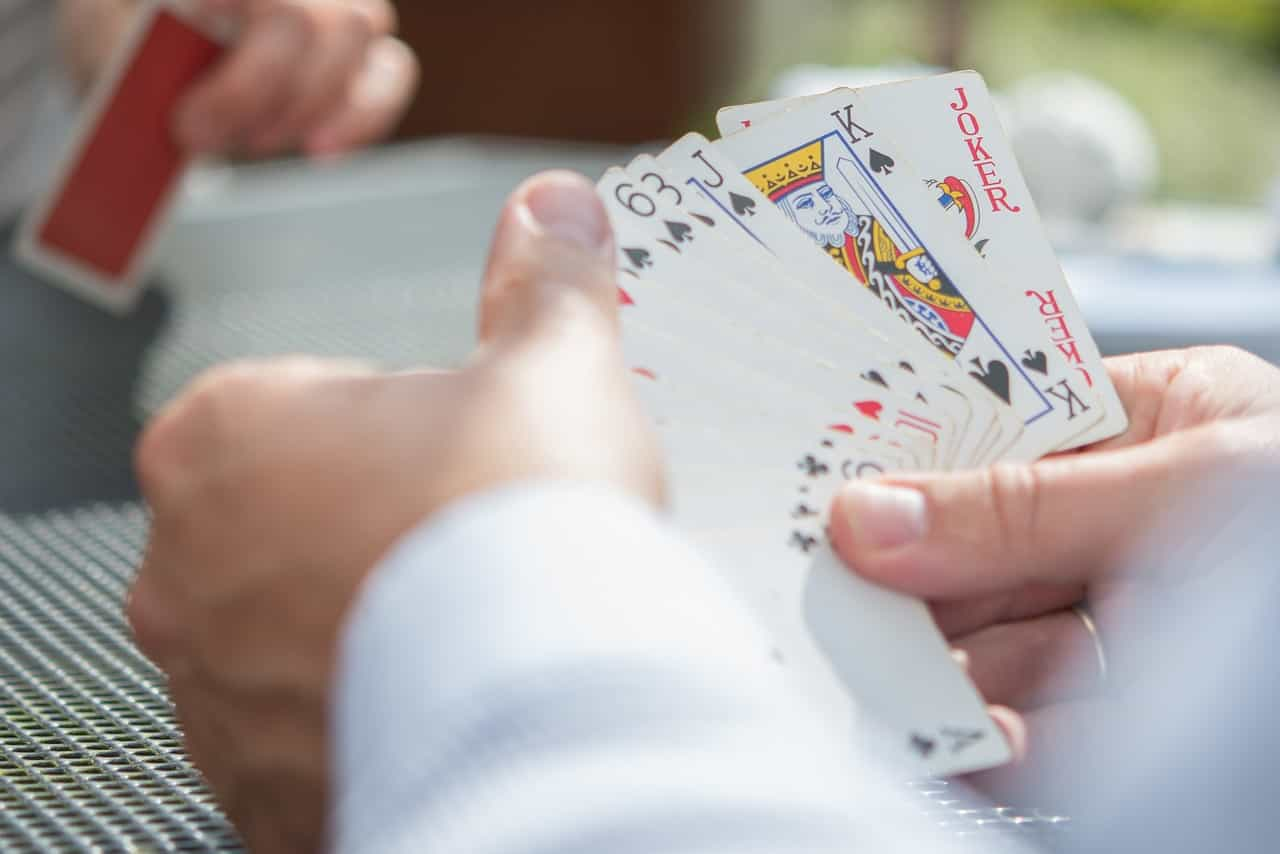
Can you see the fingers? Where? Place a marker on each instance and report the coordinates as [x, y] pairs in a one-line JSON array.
[[372, 104], [223, 110], [325, 75], [551, 260], [1061, 521], [1033, 663]]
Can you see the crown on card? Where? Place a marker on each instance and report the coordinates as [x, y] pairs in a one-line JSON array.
[[789, 172]]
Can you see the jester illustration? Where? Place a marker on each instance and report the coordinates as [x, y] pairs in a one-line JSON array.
[[908, 282]]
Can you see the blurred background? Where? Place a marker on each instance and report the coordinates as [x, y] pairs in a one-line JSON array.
[[1149, 132]]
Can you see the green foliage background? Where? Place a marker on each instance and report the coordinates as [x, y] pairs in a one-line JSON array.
[[1205, 73]]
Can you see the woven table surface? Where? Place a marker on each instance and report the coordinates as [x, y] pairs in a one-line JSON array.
[[378, 259]]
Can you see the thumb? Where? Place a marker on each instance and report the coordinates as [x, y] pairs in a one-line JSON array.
[[1063, 520], [551, 266]]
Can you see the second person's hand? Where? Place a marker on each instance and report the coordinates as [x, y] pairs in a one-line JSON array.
[[323, 77]]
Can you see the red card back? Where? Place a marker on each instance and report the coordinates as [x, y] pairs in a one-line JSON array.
[[130, 163]]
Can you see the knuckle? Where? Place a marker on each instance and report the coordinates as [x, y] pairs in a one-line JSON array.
[[1013, 499], [356, 24]]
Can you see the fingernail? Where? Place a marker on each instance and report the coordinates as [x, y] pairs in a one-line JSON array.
[[568, 209], [882, 517]]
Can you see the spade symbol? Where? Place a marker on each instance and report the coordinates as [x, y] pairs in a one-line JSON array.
[[639, 258], [742, 206], [704, 219], [875, 377], [679, 231], [994, 376], [1036, 361], [881, 163], [922, 744]]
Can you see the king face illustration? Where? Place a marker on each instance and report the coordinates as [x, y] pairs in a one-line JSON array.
[[906, 280]]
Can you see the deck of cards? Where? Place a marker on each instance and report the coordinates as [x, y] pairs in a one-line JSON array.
[[846, 286], [95, 230]]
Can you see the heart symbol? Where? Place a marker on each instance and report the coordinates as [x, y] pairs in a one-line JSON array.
[[679, 231], [841, 428], [639, 258], [870, 408], [881, 163], [1036, 361]]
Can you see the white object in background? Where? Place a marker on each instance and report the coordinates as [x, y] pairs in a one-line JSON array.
[[1083, 148], [801, 80]]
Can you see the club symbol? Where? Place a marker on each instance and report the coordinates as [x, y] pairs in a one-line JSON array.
[[639, 258], [922, 744], [742, 205], [1036, 361], [679, 231], [803, 511], [813, 467], [881, 164], [802, 541]]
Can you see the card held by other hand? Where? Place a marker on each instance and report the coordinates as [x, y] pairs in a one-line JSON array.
[[94, 230]]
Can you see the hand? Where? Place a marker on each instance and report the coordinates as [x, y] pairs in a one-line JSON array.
[[323, 76], [276, 487], [1004, 553]]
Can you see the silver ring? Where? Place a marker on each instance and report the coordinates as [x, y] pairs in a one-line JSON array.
[[1081, 610]]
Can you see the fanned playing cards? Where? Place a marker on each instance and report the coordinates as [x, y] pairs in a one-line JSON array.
[[846, 286]]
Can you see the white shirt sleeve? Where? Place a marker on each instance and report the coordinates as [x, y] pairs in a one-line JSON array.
[[549, 668]]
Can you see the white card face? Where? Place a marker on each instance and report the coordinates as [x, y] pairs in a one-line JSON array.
[[949, 127], [846, 184], [699, 166], [770, 300], [678, 273], [844, 637], [751, 413]]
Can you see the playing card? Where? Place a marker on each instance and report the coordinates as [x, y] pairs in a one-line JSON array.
[[95, 229], [948, 126], [678, 273], [842, 637], [706, 464], [697, 164], [769, 299], [842, 181]]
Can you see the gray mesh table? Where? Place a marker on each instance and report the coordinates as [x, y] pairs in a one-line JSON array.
[[377, 259]]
